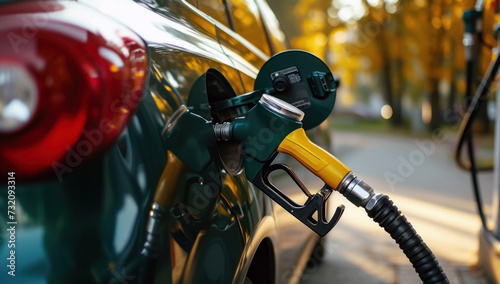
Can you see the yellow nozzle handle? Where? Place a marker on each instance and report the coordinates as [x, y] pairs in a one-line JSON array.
[[168, 180], [314, 158]]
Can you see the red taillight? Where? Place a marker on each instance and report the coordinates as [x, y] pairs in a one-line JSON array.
[[89, 73]]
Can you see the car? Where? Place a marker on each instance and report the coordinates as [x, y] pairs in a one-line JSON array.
[[93, 188]]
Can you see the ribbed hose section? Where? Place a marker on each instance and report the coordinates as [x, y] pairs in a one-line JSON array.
[[388, 216]]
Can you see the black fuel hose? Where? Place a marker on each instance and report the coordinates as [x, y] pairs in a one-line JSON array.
[[465, 136], [481, 95], [387, 215]]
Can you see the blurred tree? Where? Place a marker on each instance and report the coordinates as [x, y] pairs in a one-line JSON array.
[[390, 55], [434, 59]]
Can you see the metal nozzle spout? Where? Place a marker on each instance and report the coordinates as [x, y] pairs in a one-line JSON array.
[[223, 131]]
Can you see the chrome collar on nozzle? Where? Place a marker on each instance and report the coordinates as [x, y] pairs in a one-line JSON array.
[[281, 107], [355, 190]]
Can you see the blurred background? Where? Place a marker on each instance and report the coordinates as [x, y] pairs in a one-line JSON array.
[[399, 61], [402, 97]]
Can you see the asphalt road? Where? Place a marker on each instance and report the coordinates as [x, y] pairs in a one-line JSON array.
[[421, 178]]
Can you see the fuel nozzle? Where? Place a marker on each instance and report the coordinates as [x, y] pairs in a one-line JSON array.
[[278, 126], [293, 141], [272, 126], [280, 123]]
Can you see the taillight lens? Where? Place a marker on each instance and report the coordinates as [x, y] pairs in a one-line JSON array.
[[70, 80]]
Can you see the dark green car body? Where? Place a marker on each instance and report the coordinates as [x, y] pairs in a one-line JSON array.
[[89, 226]]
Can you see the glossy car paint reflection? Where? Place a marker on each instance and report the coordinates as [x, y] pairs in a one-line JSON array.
[[91, 227]]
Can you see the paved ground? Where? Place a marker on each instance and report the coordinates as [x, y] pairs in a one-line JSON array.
[[420, 177]]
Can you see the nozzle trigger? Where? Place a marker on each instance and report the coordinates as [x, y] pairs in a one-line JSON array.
[[304, 213]]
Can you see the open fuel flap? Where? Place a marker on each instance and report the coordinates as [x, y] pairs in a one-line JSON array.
[[302, 80], [296, 77]]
